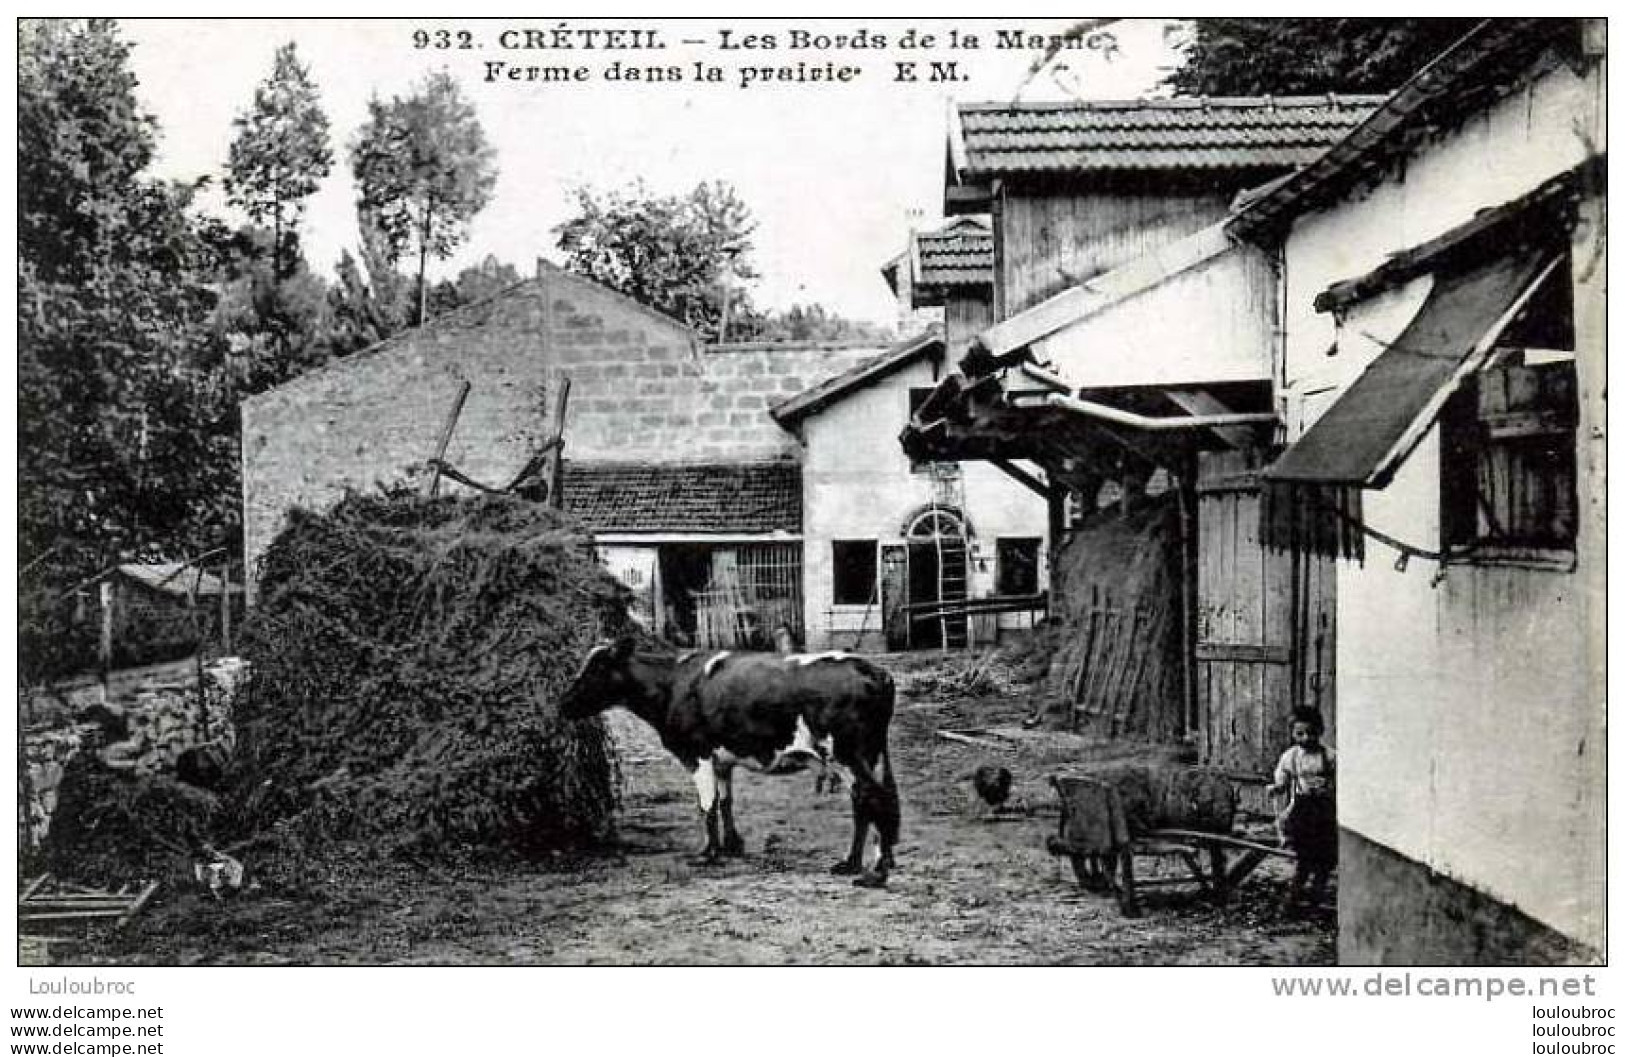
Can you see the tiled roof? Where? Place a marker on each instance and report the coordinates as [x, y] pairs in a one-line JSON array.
[[712, 497], [960, 254], [1471, 73], [811, 401], [1154, 134]]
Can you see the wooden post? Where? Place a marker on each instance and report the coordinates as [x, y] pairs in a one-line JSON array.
[[431, 487], [225, 608], [555, 457], [104, 650]]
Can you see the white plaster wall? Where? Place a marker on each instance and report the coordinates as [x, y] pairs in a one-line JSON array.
[[1470, 716], [1212, 323], [857, 484]]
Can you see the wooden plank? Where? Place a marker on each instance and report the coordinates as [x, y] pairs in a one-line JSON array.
[[1423, 257], [1241, 652], [34, 885], [1022, 477], [432, 486], [1225, 840]]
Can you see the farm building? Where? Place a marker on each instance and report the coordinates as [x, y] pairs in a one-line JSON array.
[[1378, 384], [158, 611], [671, 455], [698, 497], [949, 269], [1076, 189], [1094, 205], [887, 539], [1442, 373]]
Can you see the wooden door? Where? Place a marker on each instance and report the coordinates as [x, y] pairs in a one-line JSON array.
[[894, 595], [1265, 625]]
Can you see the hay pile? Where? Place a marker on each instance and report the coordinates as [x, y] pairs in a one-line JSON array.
[[112, 828], [406, 657], [1116, 623]]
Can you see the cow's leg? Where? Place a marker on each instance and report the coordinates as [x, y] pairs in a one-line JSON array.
[[853, 863], [888, 814], [732, 843], [705, 786], [874, 802]]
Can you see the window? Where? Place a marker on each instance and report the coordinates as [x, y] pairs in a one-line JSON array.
[[1018, 567], [1507, 462], [854, 572]]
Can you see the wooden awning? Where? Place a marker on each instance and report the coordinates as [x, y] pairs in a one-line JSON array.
[[1364, 437]]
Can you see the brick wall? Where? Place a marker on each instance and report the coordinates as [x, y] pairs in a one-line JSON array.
[[642, 389]]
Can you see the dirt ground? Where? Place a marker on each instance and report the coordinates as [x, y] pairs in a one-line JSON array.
[[972, 886]]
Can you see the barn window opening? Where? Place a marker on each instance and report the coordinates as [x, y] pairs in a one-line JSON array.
[[1508, 468], [855, 568], [1017, 566]]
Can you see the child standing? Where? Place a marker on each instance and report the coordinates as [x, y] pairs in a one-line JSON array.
[[1308, 772]]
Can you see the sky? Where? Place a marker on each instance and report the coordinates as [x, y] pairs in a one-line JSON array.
[[834, 173]]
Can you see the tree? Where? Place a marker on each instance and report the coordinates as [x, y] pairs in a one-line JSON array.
[[476, 283], [371, 300], [1310, 56], [685, 255], [424, 170], [124, 445], [280, 156], [274, 323]]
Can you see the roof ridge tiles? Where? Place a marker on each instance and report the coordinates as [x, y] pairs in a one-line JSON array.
[[1261, 102]]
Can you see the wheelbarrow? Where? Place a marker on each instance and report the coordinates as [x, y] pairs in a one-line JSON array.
[[1109, 820]]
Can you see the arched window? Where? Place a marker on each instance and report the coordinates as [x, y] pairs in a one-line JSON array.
[[937, 523]]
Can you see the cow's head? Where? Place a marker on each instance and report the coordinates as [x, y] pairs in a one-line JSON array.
[[605, 680]]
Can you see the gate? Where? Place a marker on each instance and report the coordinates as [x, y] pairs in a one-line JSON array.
[[1265, 626]]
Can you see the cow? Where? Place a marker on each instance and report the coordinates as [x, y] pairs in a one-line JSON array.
[[774, 713]]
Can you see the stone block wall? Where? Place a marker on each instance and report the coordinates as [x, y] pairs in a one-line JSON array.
[[642, 389]]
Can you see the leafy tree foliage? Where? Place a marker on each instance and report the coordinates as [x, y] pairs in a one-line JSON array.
[[476, 283], [424, 170], [1310, 56], [120, 447], [371, 300], [280, 156], [813, 323], [686, 255], [275, 321]]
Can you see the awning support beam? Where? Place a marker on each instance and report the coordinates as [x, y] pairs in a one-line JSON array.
[[1022, 477]]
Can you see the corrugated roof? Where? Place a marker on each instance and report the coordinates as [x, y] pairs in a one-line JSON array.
[[1154, 134], [960, 254], [711, 497]]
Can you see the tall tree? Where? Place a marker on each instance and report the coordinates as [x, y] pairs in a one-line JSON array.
[[424, 170], [280, 156], [1310, 56], [687, 255], [124, 447]]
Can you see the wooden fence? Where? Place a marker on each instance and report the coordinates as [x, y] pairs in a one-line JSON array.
[[753, 589], [1121, 673]]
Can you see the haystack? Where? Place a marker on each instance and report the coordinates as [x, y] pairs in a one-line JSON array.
[[407, 657]]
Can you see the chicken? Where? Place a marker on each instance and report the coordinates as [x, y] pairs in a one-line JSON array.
[[992, 784]]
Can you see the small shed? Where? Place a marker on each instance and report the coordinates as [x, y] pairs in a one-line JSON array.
[[149, 612]]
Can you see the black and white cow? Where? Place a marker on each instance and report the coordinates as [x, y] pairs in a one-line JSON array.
[[770, 712]]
